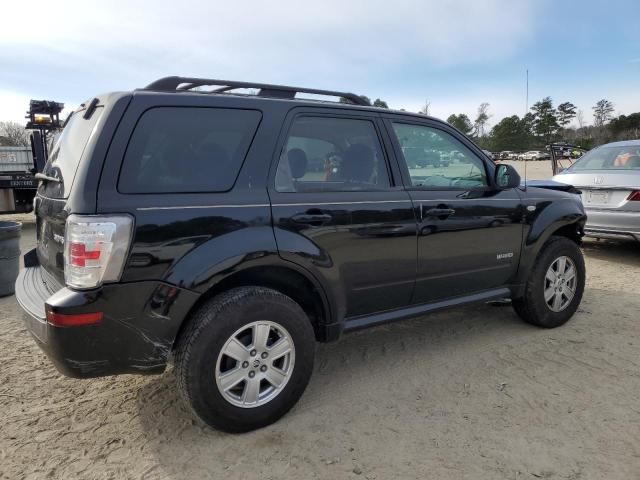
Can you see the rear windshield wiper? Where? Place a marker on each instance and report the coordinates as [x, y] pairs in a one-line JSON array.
[[47, 178]]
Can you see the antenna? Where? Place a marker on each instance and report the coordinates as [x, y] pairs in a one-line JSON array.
[[527, 104], [525, 112]]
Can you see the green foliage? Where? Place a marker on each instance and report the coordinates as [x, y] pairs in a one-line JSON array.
[[625, 127], [542, 125], [602, 112], [366, 99], [461, 122], [527, 123], [377, 103], [566, 111], [363, 97], [511, 133], [380, 103], [545, 122]]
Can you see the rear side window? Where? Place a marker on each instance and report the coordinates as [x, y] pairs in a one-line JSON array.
[[187, 150]]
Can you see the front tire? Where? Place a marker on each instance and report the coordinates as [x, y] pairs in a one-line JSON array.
[[245, 358], [555, 285]]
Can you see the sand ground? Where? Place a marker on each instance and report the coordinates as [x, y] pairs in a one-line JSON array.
[[467, 394]]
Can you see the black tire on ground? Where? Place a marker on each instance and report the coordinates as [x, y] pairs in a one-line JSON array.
[[532, 307], [209, 329]]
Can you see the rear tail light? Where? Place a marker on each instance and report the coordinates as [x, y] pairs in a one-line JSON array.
[[73, 319], [634, 196], [95, 249]]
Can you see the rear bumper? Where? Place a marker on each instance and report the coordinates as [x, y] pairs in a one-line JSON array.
[[140, 323], [612, 224]]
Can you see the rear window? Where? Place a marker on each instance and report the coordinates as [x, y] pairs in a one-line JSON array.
[[66, 153], [187, 150], [609, 158]]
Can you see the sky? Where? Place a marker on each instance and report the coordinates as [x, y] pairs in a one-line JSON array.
[[453, 54]]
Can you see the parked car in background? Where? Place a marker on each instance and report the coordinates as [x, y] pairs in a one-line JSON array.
[[422, 158], [609, 178], [533, 155], [507, 155]]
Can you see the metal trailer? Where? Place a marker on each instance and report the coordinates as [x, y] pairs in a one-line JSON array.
[[20, 165], [17, 183], [15, 159]]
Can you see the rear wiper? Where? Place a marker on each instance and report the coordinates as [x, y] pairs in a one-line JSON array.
[[47, 178]]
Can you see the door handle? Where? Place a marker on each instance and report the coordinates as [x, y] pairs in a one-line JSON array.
[[314, 219], [440, 212]]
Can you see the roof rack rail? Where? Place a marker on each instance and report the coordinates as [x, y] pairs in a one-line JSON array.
[[179, 84]]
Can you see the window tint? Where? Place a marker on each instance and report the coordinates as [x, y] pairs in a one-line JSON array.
[[175, 150], [66, 154], [437, 159], [331, 154]]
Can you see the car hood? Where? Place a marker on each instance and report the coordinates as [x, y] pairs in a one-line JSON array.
[[551, 185]]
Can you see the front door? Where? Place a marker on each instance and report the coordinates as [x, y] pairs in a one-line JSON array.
[[338, 212], [469, 232]]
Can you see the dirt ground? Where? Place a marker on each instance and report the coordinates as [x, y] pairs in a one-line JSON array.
[[468, 394]]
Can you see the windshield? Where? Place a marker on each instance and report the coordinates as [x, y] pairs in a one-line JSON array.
[[66, 153], [609, 158]]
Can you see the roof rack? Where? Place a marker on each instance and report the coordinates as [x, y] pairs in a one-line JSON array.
[[180, 84]]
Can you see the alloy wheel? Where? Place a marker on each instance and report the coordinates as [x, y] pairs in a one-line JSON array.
[[255, 364], [560, 283]]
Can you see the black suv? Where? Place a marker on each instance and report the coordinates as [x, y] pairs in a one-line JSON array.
[[232, 225]]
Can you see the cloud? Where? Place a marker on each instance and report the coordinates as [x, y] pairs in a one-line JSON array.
[[13, 106], [78, 48]]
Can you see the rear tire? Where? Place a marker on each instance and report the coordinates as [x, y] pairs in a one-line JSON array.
[[223, 367], [555, 285]]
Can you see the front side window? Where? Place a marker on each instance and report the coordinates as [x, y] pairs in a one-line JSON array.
[[187, 149], [324, 154], [437, 159]]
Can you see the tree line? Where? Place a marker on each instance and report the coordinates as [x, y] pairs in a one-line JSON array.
[[12, 134], [545, 123]]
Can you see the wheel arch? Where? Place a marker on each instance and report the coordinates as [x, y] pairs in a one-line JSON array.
[[559, 220], [289, 281]]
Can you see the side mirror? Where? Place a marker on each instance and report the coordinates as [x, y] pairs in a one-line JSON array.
[[506, 177]]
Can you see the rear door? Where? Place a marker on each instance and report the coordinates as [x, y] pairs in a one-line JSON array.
[[53, 195], [469, 233], [188, 169], [340, 211]]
